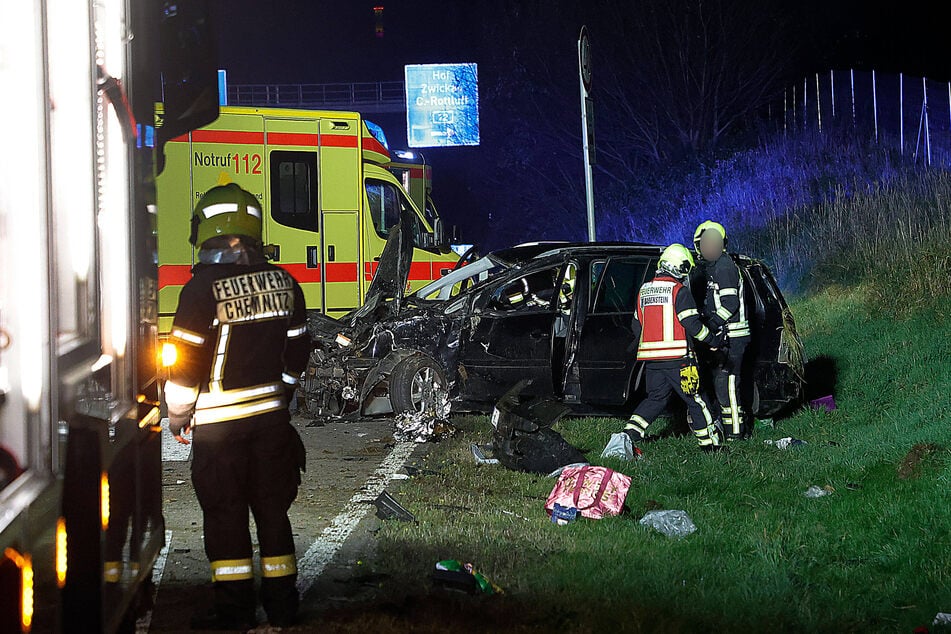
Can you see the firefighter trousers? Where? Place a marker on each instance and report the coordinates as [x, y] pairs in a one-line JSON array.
[[728, 382], [680, 377], [251, 463]]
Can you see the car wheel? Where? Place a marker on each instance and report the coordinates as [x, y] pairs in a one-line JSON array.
[[418, 386]]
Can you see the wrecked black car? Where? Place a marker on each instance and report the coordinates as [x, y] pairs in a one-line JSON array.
[[558, 314]]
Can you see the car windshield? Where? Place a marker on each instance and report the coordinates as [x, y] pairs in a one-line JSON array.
[[461, 279]]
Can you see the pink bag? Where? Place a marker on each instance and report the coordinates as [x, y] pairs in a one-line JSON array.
[[594, 491]]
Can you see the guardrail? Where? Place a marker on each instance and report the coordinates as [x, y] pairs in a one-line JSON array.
[[355, 95]]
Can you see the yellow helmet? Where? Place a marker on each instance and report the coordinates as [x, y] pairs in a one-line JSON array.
[[709, 224], [676, 260], [226, 210]]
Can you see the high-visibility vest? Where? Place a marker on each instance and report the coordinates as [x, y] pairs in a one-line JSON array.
[[662, 334]]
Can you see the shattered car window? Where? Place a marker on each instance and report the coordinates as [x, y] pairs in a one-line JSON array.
[[461, 279], [533, 291], [620, 281]]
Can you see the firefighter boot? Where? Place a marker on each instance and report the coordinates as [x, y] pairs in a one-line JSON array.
[[711, 438], [233, 610], [280, 600]]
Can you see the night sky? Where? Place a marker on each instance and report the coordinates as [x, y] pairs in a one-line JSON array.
[[315, 41]]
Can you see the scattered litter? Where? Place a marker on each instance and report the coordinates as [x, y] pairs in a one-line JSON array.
[[479, 455], [516, 515], [785, 443], [621, 446], [424, 426], [399, 476], [388, 508], [818, 492], [826, 403], [670, 523], [942, 618], [557, 472], [764, 422], [454, 575], [563, 515], [179, 482]]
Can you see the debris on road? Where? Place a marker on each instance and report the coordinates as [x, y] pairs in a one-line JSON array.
[[388, 508], [818, 492], [523, 439], [785, 443], [479, 454], [423, 426], [454, 575], [674, 524]]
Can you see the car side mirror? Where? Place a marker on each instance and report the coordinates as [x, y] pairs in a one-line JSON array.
[[439, 238]]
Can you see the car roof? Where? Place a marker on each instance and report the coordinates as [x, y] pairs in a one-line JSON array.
[[522, 253]]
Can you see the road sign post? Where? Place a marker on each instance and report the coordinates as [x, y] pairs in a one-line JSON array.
[[587, 125]]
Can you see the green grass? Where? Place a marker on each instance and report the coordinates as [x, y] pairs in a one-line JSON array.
[[873, 556]]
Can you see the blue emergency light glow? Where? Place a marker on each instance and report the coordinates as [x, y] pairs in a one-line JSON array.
[[144, 136], [222, 87], [377, 133], [442, 105]]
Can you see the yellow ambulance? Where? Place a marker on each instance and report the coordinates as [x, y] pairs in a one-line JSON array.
[[328, 201]]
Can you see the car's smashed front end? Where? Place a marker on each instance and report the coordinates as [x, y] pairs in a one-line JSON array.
[[356, 359]]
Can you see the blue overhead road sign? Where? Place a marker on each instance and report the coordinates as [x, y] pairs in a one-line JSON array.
[[442, 105]]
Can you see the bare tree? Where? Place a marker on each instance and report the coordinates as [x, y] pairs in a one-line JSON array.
[[682, 75]]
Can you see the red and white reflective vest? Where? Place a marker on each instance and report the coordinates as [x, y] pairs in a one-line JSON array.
[[668, 315]]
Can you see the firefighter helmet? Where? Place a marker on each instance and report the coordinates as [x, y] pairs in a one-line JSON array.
[[676, 260], [709, 224], [226, 210]]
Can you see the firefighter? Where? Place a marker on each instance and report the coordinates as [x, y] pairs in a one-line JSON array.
[[240, 339], [668, 320], [724, 312]]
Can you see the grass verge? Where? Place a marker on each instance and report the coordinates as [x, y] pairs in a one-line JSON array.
[[873, 556]]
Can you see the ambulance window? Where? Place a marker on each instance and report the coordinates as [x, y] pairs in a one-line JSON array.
[[294, 189], [387, 201]]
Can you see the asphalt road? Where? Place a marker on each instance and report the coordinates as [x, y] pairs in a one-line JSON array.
[[348, 465]]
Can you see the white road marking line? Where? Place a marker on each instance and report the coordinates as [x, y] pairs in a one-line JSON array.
[[322, 551], [172, 450], [143, 625]]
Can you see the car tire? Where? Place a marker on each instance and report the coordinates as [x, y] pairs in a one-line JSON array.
[[417, 385]]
